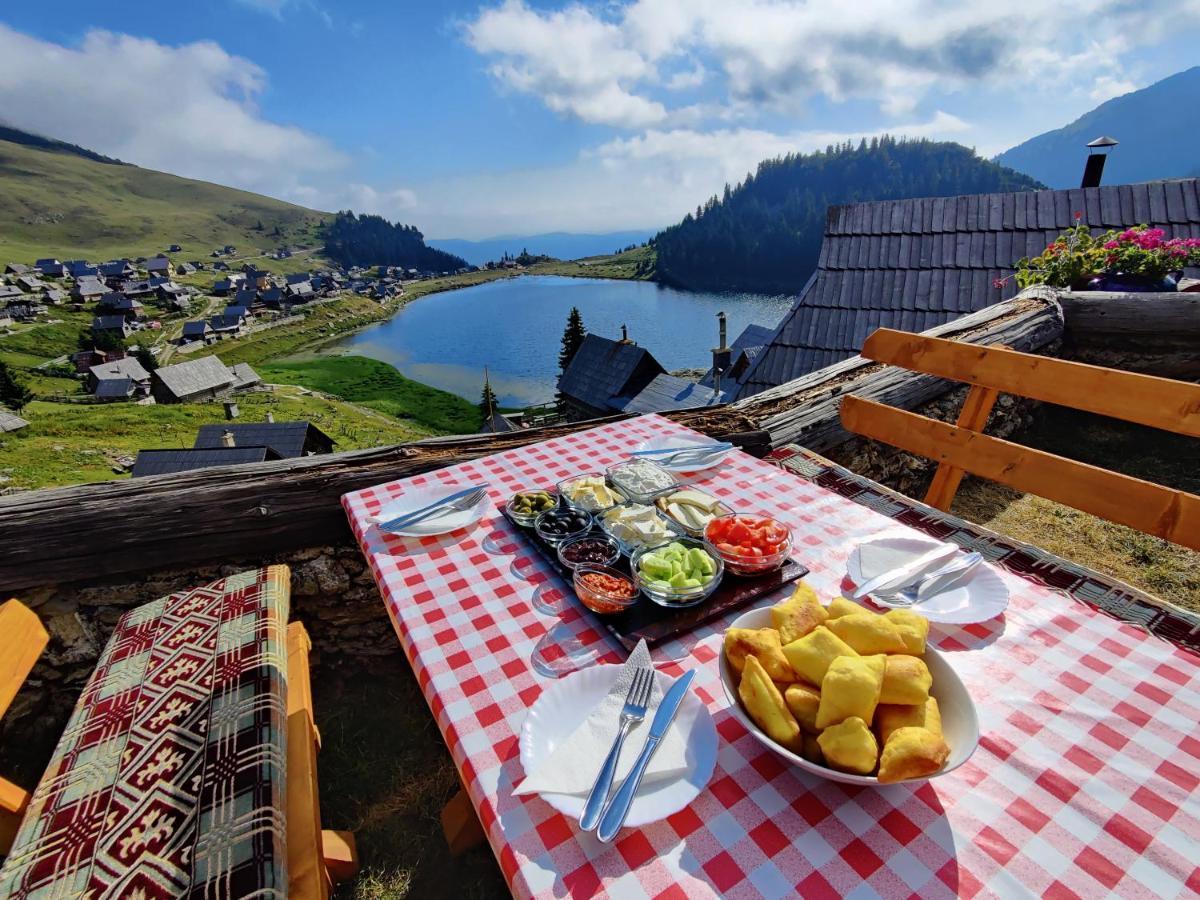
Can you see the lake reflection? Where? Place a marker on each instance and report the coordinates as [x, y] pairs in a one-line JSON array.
[[513, 327]]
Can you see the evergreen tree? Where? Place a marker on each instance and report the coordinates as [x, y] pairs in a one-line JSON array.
[[572, 338], [13, 393], [487, 401], [146, 358]]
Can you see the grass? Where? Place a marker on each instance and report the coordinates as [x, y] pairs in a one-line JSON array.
[[64, 205], [386, 774], [636, 264], [75, 443], [43, 341], [377, 385], [1164, 569]]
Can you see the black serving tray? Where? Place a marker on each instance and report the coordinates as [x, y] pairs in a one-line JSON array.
[[648, 621]]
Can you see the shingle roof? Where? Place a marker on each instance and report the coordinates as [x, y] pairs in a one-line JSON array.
[[287, 439], [244, 376], [914, 264], [128, 367], [666, 392], [109, 323], [195, 376], [748, 344], [114, 388], [603, 369], [162, 462], [196, 329]]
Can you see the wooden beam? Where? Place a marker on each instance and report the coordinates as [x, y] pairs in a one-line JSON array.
[[460, 825], [974, 415], [1102, 317], [13, 802], [22, 640], [308, 879], [1150, 508], [1144, 399]]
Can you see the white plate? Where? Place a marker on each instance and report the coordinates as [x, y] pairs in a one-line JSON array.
[[685, 465], [565, 705], [441, 523], [980, 596], [960, 723]]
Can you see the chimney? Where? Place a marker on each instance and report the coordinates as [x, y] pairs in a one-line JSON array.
[[227, 439], [1097, 153], [270, 417], [231, 409], [722, 356], [625, 335]]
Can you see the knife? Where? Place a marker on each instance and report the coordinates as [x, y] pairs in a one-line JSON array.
[[406, 518], [618, 807], [911, 571]]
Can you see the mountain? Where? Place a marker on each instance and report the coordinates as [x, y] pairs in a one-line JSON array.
[[1151, 125], [765, 234], [62, 200], [369, 240], [559, 244]]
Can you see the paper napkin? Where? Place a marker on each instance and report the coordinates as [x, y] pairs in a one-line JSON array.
[[573, 766]]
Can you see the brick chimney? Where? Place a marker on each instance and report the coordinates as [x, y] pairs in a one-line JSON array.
[[227, 439], [722, 356]]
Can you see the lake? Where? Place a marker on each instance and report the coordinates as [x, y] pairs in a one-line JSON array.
[[514, 325]]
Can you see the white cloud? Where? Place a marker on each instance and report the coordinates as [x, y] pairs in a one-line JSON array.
[[188, 110]]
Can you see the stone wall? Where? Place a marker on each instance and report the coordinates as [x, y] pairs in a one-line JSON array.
[[333, 594]]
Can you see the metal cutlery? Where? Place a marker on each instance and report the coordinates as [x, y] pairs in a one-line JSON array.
[[458, 501], [902, 576], [933, 583], [678, 451], [618, 807], [632, 713]]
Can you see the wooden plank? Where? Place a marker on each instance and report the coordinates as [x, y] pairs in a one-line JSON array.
[[340, 854], [1104, 317], [460, 825], [22, 640], [13, 802], [1144, 399], [974, 415], [1150, 508], [307, 875]]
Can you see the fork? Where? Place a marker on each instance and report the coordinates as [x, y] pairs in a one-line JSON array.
[[631, 714], [947, 575], [457, 502]]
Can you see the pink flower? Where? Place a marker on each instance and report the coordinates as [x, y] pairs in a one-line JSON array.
[[1078, 215], [1111, 245], [997, 283]]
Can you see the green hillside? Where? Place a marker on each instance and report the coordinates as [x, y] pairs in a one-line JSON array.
[[58, 202]]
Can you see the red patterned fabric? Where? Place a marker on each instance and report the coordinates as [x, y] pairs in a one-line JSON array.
[[1085, 783], [168, 781]]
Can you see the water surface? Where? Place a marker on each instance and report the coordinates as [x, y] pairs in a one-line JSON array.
[[513, 326]]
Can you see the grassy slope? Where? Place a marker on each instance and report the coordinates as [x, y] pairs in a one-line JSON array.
[[60, 204], [377, 385], [71, 444]]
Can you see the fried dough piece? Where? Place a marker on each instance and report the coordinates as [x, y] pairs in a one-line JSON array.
[[850, 746], [906, 681], [850, 689], [803, 701], [811, 655], [764, 704], [868, 633], [913, 628], [889, 718], [811, 750], [911, 753], [798, 615], [841, 606], [764, 645]]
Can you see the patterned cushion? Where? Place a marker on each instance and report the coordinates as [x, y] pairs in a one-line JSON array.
[[169, 779]]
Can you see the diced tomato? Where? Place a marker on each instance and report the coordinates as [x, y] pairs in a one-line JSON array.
[[727, 548]]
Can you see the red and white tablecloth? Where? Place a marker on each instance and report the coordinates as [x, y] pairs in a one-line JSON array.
[[1084, 784]]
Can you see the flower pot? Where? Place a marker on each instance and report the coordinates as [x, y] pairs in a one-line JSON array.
[[1119, 282]]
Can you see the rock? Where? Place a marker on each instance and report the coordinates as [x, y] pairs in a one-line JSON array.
[[72, 640], [325, 573]]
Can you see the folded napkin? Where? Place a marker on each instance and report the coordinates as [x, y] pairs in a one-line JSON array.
[[573, 766]]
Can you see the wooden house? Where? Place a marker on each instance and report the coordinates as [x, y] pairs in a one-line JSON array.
[[289, 440], [115, 324], [206, 378]]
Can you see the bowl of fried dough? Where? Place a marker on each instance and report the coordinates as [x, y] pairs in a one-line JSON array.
[[846, 693]]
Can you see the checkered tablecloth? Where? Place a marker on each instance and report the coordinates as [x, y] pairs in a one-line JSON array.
[[1084, 783]]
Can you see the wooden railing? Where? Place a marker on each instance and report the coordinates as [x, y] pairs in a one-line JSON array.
[[960, 448]]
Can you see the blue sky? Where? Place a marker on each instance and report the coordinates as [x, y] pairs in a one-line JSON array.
[[476, 119]]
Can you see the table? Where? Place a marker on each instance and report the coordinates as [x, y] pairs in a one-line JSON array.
[[1084, 783]]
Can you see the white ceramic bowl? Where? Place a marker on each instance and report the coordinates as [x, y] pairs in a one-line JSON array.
[[960, 724]]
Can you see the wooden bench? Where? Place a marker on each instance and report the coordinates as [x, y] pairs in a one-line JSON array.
[[990, 371], [140, 738]]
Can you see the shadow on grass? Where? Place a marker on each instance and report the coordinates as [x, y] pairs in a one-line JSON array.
[[385, 774]]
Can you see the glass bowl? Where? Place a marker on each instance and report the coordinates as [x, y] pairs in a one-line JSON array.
[[555, 539], [563, 485], [613, 551], [738, 564], [665, 499], [679, 599], [620, 477], [528, 520], [599, 600]]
